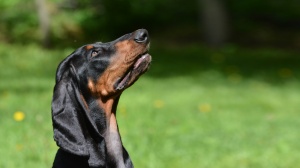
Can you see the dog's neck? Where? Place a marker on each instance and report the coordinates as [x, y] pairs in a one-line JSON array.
[[109, 107], [104, 111]]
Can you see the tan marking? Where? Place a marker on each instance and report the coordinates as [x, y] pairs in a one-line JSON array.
[[113, 123], [107, 106], [126, 53], [111, 119], [88, 47], [91, 86], [97, 89]]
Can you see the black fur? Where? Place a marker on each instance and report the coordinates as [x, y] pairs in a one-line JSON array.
[[78, 129]]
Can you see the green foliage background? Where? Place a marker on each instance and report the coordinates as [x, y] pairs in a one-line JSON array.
[[257, 21]]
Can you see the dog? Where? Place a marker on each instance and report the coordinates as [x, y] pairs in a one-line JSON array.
[[89, 83]]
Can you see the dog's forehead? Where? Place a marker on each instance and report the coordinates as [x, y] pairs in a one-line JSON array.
[[97, 45]]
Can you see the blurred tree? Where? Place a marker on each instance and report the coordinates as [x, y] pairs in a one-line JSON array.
[[274, 22], [214, 18], [44, 22]]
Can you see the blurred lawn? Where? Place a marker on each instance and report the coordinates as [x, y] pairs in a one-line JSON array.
[[196, 107]]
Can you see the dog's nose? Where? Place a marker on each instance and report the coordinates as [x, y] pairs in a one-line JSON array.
[[141, 36]]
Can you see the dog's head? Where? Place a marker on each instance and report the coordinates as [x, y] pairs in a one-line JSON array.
[[106, 69], [94, 71]]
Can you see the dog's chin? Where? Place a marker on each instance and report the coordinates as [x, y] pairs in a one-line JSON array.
[[139, 67]]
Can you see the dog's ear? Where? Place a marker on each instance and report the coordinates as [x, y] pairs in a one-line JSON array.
[[68, 114]]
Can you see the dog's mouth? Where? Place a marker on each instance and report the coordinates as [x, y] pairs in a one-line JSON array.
[[139, 67]]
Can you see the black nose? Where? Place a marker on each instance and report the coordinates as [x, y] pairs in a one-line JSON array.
[[141, 36]]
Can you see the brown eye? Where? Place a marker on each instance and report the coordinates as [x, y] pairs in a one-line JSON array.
[[94, 53]]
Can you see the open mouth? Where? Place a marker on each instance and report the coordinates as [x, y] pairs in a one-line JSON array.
[[140, 66]]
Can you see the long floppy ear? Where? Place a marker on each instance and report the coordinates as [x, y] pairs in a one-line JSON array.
[[68, 115]]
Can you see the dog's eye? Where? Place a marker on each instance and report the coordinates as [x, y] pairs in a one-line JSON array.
[[94, 53]]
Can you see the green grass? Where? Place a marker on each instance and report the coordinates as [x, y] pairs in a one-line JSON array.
[[196, 107]]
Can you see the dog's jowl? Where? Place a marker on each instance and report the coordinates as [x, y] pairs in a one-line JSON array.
[[89, 83]]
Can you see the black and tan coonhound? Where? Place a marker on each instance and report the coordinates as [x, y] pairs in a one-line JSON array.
[[88, 86]]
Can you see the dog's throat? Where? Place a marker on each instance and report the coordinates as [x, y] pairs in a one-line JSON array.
[[114, 143], [111, 135]]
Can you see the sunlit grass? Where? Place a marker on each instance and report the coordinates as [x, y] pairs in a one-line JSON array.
[[195, 108], [223, 125]]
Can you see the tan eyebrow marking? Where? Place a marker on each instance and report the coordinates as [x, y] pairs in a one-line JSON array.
[[88, 47]]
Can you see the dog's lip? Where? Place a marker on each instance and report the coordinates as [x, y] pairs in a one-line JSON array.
[[139, 67], [140, 59]]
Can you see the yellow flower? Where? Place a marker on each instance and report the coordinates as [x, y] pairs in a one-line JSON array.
[[19, 116], [5, 94], [19, 147], [159, 104], [204, 108]]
